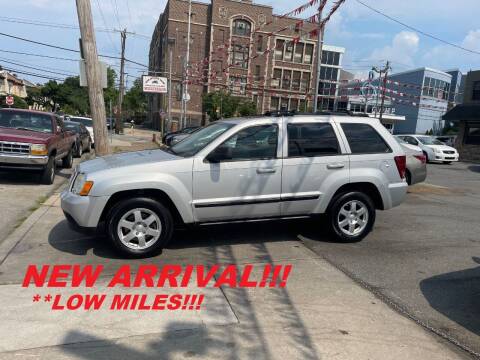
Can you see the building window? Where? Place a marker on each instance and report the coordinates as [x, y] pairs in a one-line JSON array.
[[435, 88], [476, 90], [303, 106], [240, 56], [330, 58], [297, 75], [238, 85], [298, 53], [260, 43], [288, 51], [286, 79], [241, 27], [277, 78], [307, 59], [293, 104], [472, 133], [274, 103], [258, 70], [255, 100], [279, 45], [284, 104], [305, 82]]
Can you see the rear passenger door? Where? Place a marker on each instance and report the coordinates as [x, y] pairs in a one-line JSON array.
[[369, 153], [314, 157]]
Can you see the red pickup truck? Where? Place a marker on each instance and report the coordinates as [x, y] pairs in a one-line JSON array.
[[34, 140]]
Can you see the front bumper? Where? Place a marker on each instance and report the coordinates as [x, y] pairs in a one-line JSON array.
[[446, 157], [83, 211], [23, 161]]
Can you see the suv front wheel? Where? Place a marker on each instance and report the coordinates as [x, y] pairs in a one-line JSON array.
[[139, 227], [352, 216]]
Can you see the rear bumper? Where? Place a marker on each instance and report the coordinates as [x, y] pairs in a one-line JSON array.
[[32, 162], [398, 193]]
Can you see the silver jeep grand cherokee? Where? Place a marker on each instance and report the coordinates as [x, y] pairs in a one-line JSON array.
[[243, 169]]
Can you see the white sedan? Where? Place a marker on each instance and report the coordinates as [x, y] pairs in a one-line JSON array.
[[433, 149]]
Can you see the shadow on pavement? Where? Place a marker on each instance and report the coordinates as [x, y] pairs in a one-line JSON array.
[[474, 168], [456, 295]]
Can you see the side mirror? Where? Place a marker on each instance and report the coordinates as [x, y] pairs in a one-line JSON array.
[[220, 154]]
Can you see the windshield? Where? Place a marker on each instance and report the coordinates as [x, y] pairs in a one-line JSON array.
[[199, 139], [427, 140], [400, 141], [26, 121], [84, 121]]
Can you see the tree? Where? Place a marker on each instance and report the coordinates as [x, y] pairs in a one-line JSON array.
[[19, 103], [220, 104], [247, 108], [135, 100], [110, 94]]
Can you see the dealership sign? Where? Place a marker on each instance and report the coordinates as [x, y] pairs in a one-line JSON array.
[[155, 84]]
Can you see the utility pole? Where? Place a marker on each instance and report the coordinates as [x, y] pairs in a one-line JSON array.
[[186, 67], [93, 72], [119, 127], [169, 90], [383, 71], [319, 53]]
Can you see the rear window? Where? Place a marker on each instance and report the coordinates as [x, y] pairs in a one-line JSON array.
[[311, 139], [364, 139]]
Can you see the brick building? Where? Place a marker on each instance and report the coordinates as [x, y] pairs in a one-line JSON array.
[[282, 78]]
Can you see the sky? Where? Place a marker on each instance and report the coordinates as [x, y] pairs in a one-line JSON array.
[[369, 38]]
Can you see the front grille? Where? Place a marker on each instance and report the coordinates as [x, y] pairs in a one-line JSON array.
[[448, 152], [14, 148]]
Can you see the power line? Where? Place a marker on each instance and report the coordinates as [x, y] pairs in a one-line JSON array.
[[105, 23], [417, 30], [32, 74], [115, 8], [53, 46], [37, 55], [36, 68]]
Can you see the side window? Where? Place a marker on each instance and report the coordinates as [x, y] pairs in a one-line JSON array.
[[313, 139], [411, 140], [253, 143], [364, 139]]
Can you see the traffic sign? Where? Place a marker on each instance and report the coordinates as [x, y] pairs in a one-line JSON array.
[[9, 100]]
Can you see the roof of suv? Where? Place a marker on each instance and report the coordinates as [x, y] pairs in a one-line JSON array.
[[338, 117], [27, 111]]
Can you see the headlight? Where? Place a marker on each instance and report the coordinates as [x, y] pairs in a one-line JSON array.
[[38, 149], [81, 186]]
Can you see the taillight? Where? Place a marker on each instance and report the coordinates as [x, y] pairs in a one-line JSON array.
[[422, 158], [401, 162]]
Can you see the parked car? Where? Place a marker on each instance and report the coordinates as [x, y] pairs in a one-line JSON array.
[[168, 137], [113, 122], [447, 139], [34, 140], [416, 163], [179, 137], [242, 170], [83, 142], [433, 149], [87, 122]]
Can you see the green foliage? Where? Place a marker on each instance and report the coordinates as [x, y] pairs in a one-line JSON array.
[[135, 100], [220, 104], [19, 103]]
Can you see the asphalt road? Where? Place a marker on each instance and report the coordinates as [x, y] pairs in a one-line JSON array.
[[423, 256]]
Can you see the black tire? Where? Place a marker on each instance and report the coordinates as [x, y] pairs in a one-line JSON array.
[[408, 177], [122, 208], [426, 157], [80, 150], [67, 161], [89, 146], [48, 174], [334, 216]]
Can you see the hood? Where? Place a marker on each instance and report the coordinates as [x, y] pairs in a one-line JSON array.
[[25, 136], [441, 147], [126, 159]]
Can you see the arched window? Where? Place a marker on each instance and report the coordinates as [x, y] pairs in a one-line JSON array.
[[241, 27]]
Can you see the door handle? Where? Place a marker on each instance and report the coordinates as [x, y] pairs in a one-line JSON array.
[[335, 166], [266, 170]]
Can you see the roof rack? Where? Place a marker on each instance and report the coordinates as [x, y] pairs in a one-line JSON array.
[[279, 113]]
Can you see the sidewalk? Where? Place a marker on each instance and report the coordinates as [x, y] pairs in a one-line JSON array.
[[321, 314]]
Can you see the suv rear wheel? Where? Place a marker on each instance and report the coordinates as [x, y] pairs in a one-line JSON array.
[[139, 227], [352, 216]]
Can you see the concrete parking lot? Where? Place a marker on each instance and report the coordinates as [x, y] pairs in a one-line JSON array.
[[420, 259]]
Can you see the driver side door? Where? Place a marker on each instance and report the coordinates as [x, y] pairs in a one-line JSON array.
[[241, 178]]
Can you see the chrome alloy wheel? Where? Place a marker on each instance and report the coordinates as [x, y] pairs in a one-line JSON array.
[[353, 217], [139, 228]]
